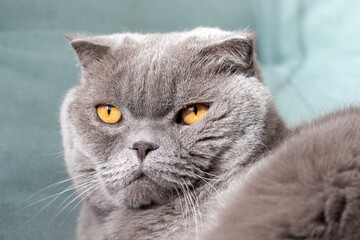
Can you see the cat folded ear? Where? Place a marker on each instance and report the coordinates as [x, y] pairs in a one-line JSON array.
[[93, 55], [234, 55], [88, 51]]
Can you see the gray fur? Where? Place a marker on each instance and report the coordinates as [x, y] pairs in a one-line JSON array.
[[150, 78], [308, 188]]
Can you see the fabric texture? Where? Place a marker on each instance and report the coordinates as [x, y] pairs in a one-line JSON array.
[[310, 55], [308, 49]]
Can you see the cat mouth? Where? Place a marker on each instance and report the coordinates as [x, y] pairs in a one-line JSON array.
[[141, 176], [144, 178], [150, 177]]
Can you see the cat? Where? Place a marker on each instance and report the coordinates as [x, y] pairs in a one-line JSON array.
[[160, 127], [307, 188]]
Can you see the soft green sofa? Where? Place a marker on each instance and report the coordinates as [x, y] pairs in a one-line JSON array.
[[309, 49]]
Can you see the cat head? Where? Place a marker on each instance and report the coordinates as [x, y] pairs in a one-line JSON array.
[[155, 113]]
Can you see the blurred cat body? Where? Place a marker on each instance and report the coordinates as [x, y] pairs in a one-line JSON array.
[[150, 78], [307, 188]]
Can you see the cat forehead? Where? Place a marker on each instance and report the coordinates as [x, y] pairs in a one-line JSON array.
[[200, 34], [147, 70], [211, 45]]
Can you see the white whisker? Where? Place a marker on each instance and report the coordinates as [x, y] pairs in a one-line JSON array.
[[193, 208], [182, 211], [69, 188], [93, 190], [52, 219], [78, 196], [187, 206], [53, 185], [211, 186]]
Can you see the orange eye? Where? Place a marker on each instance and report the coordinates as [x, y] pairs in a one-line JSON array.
[[193, 113], [108, 114]]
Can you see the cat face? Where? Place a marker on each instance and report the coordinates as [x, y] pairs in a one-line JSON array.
[[144, 156]]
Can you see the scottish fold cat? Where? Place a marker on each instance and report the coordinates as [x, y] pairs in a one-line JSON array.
[[160, 127]]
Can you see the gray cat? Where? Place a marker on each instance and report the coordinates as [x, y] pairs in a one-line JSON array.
[[160, 127], [308, 188], [163, 136]]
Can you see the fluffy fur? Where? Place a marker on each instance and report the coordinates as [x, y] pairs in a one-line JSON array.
[[150, 78], [308, 188]]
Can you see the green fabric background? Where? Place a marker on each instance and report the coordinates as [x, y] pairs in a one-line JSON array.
[[309, 49]]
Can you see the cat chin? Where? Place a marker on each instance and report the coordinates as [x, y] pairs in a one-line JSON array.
[[142, 193]]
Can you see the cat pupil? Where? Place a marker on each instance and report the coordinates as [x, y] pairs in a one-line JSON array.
[[108, 109], [195, 110]]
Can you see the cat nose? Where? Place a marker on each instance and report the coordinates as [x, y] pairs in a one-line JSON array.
[[143, 148]]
